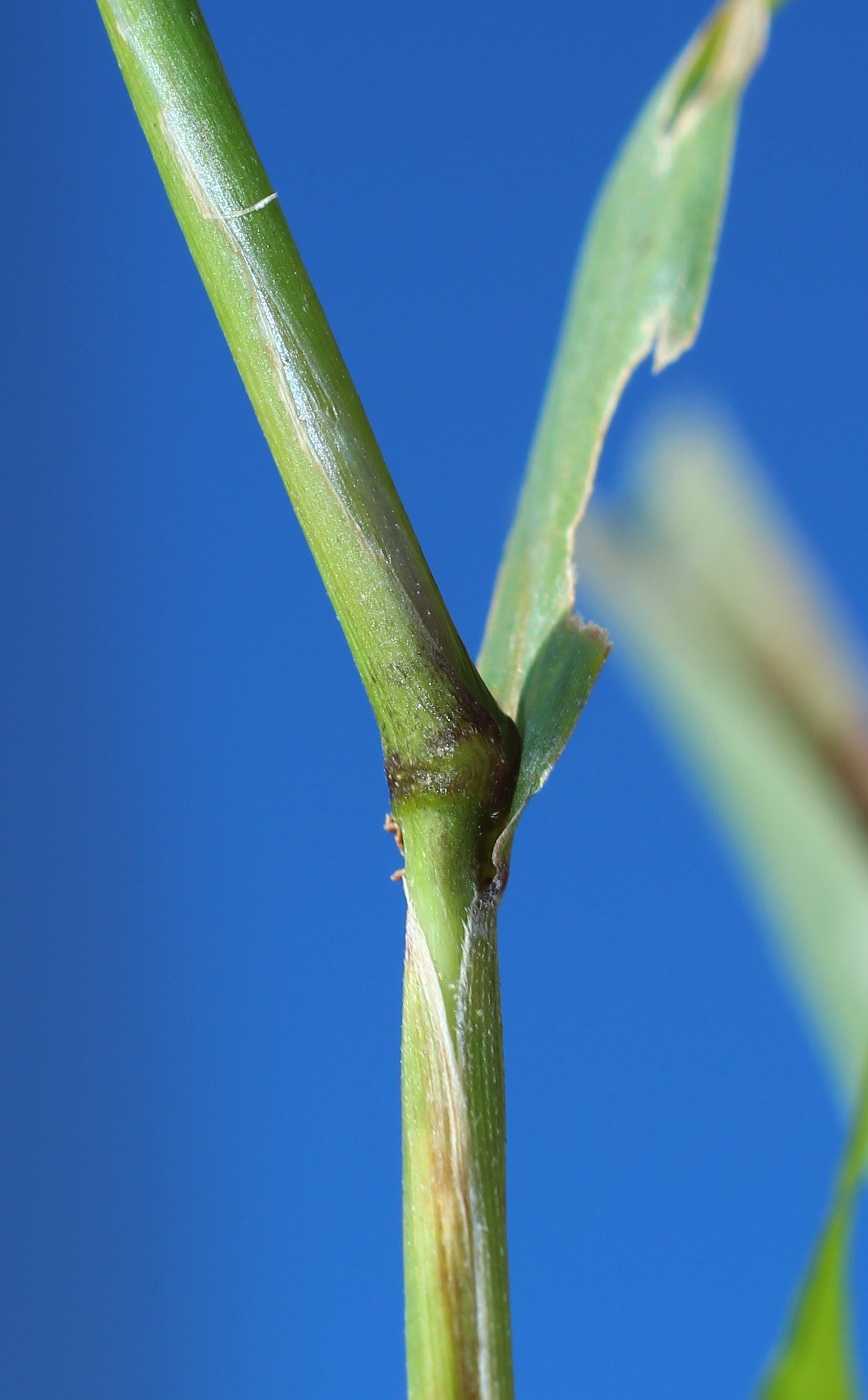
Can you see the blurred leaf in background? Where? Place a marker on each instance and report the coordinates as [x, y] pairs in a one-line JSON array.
[[762, 690], [763, 693]]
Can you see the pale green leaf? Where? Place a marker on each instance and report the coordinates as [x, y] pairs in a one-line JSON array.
[[704, 500], [640, 289], [762, 689], [757, 680]]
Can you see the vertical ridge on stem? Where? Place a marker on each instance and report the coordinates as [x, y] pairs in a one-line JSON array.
[[458, 1333]]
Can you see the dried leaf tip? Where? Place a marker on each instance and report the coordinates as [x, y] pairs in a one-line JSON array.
[[720, 60]]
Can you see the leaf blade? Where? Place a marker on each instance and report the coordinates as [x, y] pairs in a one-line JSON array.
[[817, 1358], [560, 681], [641, 286], [754, 676]]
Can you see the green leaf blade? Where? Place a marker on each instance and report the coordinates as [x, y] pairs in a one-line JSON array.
[[817, 1359], [641, 288], [561, 679]]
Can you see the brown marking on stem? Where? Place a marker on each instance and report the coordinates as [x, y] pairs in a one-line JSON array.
[[445, 1191]]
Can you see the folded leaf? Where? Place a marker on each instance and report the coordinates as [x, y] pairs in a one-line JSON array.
[[560, 680]]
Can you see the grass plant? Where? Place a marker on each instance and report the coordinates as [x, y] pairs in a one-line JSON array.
[[466, 746]]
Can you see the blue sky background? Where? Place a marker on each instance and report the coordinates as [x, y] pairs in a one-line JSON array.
[[201, 959]]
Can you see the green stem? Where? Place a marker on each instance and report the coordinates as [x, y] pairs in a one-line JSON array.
[[452, 756], [458, 1329], [427, 695]]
